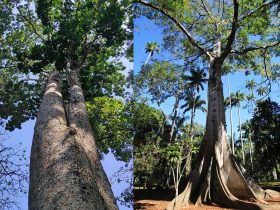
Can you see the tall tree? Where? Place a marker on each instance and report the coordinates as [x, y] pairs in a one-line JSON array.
[[265, 126], [219, 31], [195, 82], [72, 44], [247, 127], [229, 102], [151, 48], [192, 105], [239, 97], [162, 80]]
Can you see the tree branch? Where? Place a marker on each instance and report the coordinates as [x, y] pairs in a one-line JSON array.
[[234, 27], [30, 23], [258, 9], [265, 69], [209, 13], [249, 49], [178, 24]]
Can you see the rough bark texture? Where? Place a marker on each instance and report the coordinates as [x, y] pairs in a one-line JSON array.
[[217, 178], [65, 171]]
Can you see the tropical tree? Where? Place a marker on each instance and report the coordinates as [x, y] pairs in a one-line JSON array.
[[192, 105], [194, 82], [251, 85], [68, 49], [162, 80], [111, 121], [247, 128], [151, 48], [238, 98], [228, 102], [265, 127], [220, 32]]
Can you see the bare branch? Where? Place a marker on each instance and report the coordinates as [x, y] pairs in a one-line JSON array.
[[249, 49], [178, 24]]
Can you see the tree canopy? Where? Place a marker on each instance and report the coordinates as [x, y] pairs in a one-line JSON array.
[[41, 36], [265, 127]]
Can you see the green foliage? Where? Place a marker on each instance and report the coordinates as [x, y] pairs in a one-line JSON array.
[[196, 79], [146, 124], [257, 25], [146, 161], [266, 126], [173, 154], [36, 41], [152, 47], [112, 126], [160, 79], [19, 99]]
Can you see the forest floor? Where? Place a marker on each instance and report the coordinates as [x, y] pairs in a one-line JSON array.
[[158, 199]]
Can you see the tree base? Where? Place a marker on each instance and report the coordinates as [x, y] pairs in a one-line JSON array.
[[219, 180]]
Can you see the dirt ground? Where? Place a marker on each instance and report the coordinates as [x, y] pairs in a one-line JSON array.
[[160, 205], [159, 199]]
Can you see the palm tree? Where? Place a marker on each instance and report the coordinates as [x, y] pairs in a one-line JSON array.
[[230, 102], [151, 48], [247, 127], [239, 97], [196, 79], [231, 123], [193, 105], [195, 82]]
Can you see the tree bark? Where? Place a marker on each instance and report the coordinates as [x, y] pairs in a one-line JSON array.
[[216, 177], [241, 139], [149, 55], [65, 171], [192, 117], [231, 123], [176, 107], [251, 150]]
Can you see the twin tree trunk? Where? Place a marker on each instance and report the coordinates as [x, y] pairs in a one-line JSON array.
[[216, 177], [65, 170]]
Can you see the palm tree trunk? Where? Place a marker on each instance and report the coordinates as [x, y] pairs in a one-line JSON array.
[[176, 107], [216, 173], [149, 55], [251, 150], [231, 123], [241, 139], [192, 117], [65, 170]]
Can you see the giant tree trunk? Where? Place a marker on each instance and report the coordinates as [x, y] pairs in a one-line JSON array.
[[65, 171], [216, 177]]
